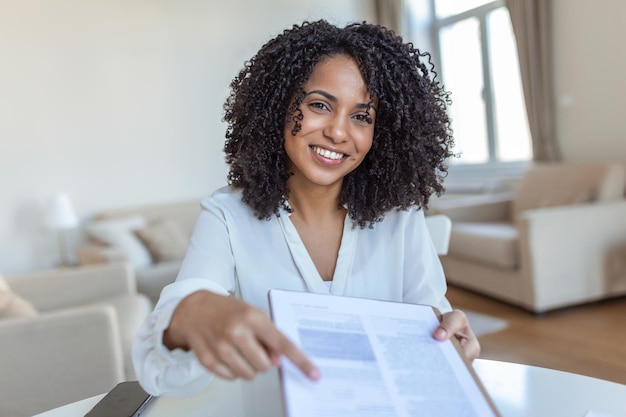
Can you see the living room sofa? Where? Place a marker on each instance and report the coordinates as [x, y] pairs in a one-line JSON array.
[[556, 241], [66, 334], [152, 239]]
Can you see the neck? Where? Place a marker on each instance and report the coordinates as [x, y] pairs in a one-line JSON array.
[[313, 204]]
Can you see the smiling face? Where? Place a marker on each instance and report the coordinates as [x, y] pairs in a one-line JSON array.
[[337, 127]]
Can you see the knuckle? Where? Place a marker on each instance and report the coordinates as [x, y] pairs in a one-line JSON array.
[[248, 375], [252, 316], [282, 345], [225, 373], [236, 333], [264, 367], [223, 350], [207, 360], [462, 316]]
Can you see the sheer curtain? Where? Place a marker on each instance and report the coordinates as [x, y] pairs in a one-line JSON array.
[[388, 13], [532, 26]]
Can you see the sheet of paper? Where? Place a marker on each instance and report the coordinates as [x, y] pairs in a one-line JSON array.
[[376, 359]]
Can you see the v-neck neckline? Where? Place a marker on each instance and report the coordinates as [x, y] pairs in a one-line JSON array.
[[304, 262]]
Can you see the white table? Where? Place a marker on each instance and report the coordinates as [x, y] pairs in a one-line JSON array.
[[518, 391]]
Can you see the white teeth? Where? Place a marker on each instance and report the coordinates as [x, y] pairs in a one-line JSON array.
[[328, 154]]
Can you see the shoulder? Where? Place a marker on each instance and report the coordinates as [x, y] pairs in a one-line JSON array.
[[226, 197], [227, 203], [399, 224], [412, 215]]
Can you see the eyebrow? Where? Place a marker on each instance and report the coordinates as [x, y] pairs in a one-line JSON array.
[[334, 99]]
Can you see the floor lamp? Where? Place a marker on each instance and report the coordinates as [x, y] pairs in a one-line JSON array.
[[60, 217]]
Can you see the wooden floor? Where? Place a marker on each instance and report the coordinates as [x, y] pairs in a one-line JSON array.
[[588, 340]]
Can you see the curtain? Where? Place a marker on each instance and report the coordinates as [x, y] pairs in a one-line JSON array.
[[388, 13], [531, 22]]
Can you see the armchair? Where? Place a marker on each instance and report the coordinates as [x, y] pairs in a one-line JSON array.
[[544, 246], [78, 345]]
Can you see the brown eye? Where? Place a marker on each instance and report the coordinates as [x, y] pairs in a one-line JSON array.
[[318, 106], [365, 118]]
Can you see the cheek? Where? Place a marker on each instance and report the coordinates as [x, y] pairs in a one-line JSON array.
[[287, 142], [365, 142], [294, 147]]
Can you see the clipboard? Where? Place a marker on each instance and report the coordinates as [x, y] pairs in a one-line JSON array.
[[380, 342]]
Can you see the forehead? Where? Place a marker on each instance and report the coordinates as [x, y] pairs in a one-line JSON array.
[[338, 71]]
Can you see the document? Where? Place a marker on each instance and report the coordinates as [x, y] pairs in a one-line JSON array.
[[376, 358]]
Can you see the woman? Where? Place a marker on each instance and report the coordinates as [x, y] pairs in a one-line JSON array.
[[336, 139]]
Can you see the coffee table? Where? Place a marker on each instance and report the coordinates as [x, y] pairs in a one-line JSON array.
[[517, 390]]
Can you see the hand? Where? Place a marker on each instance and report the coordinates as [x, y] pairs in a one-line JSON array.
[[455, 323], [231, 338]]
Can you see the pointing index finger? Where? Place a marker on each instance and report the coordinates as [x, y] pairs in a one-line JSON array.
[[278, 344]]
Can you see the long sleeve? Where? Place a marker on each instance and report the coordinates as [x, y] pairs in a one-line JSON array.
[[208, 265], [425, 281], [176, 373]]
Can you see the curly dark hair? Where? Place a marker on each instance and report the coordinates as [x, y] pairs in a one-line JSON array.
[[412, 136]]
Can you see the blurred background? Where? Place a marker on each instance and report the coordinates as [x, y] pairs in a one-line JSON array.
[[118, 103]]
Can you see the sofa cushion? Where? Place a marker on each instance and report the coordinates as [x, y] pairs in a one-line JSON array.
[[184, 214], [164, 239], [12, 305], [119, 233], [558, 184], [489, 243]]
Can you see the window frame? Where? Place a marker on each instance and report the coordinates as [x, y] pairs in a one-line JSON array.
[[486, 175]]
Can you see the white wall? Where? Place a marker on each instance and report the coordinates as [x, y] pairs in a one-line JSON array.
[[119, 103], [590, 79]]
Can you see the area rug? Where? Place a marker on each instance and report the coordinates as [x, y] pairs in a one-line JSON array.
[[483, 324]]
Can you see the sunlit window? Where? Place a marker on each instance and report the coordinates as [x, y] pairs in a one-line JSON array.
[[445, 8], [511, 125], [478, 65]]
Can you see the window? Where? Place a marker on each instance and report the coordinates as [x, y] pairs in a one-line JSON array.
[[474, 45]]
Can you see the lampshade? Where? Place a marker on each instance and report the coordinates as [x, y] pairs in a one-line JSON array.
[[60, 213]]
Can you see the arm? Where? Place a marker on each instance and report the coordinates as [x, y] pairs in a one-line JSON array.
[[208, 266], [430, 287], [202, 324], [424, 280]]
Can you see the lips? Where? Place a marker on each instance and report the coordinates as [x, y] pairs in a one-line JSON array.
[[335, 156]]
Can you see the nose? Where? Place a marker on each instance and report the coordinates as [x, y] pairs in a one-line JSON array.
[[336, 129]]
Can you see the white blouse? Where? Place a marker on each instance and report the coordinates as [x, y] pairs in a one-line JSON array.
[[234, 253]]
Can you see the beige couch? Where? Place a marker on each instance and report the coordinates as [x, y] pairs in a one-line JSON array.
[[66, 335], [153, 240], [550, 244]]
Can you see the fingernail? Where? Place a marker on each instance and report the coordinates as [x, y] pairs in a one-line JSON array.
[[441, 333], [275, 359], [314, 374]]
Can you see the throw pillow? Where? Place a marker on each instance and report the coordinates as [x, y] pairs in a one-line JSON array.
[[119, 233], [12, 305], [164, 239]]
